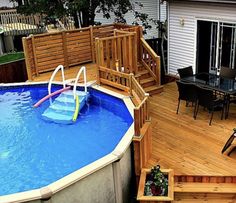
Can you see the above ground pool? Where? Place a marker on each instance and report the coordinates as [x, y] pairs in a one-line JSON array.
[[35, 152]]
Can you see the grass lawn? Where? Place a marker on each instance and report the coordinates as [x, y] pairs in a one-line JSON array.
[[11, 57]]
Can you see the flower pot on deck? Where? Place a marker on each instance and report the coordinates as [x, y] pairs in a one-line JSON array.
[[152, 199]]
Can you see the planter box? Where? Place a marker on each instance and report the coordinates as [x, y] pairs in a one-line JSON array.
[[149, 199]]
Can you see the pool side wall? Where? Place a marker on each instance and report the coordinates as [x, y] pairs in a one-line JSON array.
[[98, 186]]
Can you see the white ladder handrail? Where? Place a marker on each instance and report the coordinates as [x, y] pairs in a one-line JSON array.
[[53, 75], [82, 69]]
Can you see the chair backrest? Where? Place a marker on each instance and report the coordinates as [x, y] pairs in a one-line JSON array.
[[185, 72], [226, 72], [187, 91], [206, 97]]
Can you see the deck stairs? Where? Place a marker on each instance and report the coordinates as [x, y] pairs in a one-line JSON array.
[[147, 82], [62, 109], [213, 189]]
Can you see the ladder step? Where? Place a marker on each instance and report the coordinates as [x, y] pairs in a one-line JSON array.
[[57, 117], [57, 106], [71, 93]]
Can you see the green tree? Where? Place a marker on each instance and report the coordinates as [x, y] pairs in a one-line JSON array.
[[83, 11]]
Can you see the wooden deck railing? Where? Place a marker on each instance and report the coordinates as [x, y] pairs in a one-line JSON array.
[[150, 60], [14, 23], [117, 52], [142, 126], [114, 78]]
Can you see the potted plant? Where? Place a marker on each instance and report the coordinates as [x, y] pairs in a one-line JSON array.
[[156, 185]]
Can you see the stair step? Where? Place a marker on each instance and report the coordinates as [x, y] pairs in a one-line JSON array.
[[196, 187], [154, 89], [143, 72], [146, 80]]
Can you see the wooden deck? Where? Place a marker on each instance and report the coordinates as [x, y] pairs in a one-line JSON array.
[[190, 147], [91, 70]]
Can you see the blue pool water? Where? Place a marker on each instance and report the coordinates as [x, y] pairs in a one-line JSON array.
[[35, 152]]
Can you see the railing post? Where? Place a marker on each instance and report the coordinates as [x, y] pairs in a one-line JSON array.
[[27, 58], [35, 56], [137, 122], [97, 44], [135, 52], [158, 68], [131, 75], [92, 43], [65, 53]]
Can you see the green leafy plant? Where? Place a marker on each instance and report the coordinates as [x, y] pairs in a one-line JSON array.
[[156, 183]]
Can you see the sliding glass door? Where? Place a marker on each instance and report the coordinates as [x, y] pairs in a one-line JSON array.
[[216, 44]]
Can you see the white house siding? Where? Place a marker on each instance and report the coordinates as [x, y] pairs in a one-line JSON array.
[[163, 9], [6, 3], [151, 7], [181, 48]]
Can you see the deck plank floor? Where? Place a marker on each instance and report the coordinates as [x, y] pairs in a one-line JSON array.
[[190, 147]]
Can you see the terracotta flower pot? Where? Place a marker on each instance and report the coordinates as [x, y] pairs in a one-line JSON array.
[[148, 199]]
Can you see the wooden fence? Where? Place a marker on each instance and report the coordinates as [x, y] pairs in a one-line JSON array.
[[44, 52], [14, 23]]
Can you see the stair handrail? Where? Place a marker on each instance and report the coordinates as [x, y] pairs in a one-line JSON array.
[[82, 69], [154, 68], [60, 67]]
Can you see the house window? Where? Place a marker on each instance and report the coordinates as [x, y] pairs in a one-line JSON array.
[[216, 44]]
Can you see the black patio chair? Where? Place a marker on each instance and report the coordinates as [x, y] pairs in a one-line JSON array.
[[207, 98], [228, 73], [185, 72], [187, 92]]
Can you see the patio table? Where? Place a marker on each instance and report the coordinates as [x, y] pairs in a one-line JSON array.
[[212, 81], [215, 82]]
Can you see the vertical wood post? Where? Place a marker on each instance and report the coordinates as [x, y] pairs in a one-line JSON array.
[[136, 122], [135, 59], [97, 59], [101, 53], [27, 58], [34, 54], [92, 44], [64, 44], [131, 75], [158, 70]]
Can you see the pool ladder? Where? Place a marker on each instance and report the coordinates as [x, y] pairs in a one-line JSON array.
[[65, 107]]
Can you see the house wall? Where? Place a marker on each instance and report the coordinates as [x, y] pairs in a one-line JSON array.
[[182, 38], [6, 3], [151, 7]]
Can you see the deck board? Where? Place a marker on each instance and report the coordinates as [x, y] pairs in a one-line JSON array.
[[190, 147]]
